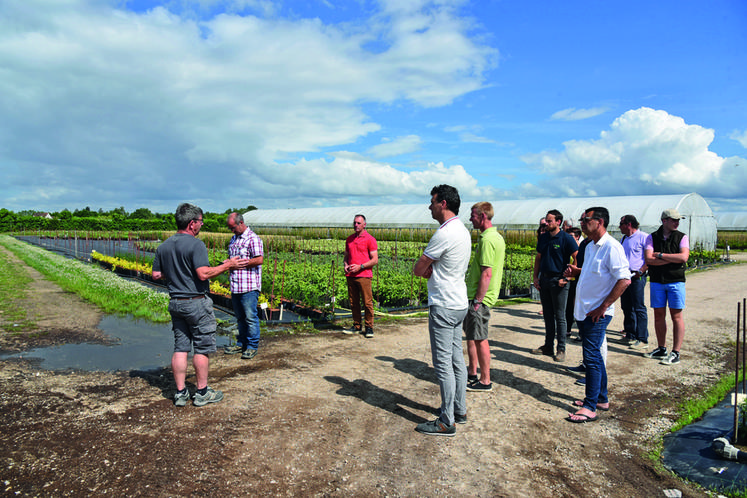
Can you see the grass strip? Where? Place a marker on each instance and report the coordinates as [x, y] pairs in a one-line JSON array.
[[105, 289], [14, 285], [694, 408]]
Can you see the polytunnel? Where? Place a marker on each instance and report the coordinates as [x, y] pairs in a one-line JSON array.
[[699, 222], [732, 221]]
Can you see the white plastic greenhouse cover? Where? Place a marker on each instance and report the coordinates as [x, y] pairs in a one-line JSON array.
[[699, 222], [732, 220]]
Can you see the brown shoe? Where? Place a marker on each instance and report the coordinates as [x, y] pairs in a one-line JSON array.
[[542, 350], [560, 356]]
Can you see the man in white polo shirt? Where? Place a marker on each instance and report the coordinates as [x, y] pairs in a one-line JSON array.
[[602, 280], [444, 263]]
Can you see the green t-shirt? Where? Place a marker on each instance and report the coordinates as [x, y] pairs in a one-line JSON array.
[[490, 251]]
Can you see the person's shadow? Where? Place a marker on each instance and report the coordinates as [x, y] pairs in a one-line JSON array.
[[163, 379], [418, 369], [380, 398]]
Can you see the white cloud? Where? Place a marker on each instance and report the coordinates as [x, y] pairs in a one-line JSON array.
[[573, 114], [471, 137], [348, 175], [645, 151], [740, 137], [400, 145], [160, 107]]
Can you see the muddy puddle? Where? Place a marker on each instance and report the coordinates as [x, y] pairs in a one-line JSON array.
[[135, 345]]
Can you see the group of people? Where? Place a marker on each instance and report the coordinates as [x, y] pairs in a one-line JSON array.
[[611, 270], [595, 272]]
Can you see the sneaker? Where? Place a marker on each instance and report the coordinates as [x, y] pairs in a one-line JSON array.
[[436, 428], [559, 356], [579, 369], [233, 349], [181, 397], [625, 341], [673, 358], [369, 333], [351, 330], [542, 350], [460, 419], [211, 396], [581, 381], [640, 345], [472, 378], [577, 338], [657, 354], [480, 387], [249, 354]]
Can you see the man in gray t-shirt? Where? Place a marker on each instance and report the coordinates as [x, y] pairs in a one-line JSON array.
[[182, 260]]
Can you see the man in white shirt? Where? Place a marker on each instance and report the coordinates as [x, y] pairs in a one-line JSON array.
[[444, 263], [603, 279]]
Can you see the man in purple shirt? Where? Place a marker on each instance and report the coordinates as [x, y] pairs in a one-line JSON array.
[[246, 283], [632, 301]]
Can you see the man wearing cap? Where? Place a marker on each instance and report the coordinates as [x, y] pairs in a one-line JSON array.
[[666, 252]]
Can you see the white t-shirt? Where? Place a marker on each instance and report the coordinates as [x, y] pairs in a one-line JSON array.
[[450, 249], [604, 264]]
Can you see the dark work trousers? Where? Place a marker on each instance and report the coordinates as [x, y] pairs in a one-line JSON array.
[[554, 299], [633, 305], [570, 303]]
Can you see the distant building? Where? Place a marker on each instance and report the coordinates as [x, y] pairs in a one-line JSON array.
[[43, 215]]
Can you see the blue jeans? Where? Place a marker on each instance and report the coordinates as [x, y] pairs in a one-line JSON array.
[[245, 308], [592, 335], [554, 299], [633, 305], [445, 330]]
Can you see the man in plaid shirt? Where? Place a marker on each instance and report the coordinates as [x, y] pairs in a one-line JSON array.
[[246, 284]]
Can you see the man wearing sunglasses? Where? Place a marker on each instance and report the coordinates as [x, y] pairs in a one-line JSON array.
[[667, 251], [603, 279], [632, 301]]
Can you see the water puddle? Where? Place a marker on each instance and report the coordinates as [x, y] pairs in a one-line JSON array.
[[140, 345]]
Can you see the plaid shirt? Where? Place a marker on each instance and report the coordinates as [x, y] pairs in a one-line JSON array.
[[247, 245]]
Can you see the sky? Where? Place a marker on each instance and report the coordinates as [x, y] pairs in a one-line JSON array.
[[316, 103]]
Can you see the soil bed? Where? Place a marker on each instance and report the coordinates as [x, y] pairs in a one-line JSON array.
[[333, 415]]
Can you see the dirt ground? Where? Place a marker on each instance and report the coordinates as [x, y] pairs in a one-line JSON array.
[[334, 415]]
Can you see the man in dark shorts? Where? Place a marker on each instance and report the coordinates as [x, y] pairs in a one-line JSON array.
[[182, 260]]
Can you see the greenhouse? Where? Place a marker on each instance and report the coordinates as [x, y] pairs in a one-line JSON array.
[[699, 222], [732, 221]]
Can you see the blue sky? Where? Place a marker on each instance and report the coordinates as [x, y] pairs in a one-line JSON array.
[[332, 103]]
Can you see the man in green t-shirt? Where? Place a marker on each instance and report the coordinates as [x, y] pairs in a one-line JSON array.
[[483, 287]]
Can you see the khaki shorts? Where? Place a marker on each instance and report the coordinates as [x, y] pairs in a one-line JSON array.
[[476, 323]]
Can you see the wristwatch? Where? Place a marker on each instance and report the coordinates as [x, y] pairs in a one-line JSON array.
[[659, 256]]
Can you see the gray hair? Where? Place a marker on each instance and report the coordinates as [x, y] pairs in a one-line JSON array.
[[185, 213]]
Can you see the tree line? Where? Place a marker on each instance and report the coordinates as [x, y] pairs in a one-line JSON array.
[[141, 219]]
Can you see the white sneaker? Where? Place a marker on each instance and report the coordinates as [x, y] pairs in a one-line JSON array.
[[672, 359], [639, 345]]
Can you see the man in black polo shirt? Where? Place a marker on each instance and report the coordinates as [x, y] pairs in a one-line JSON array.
[[555, 250]]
